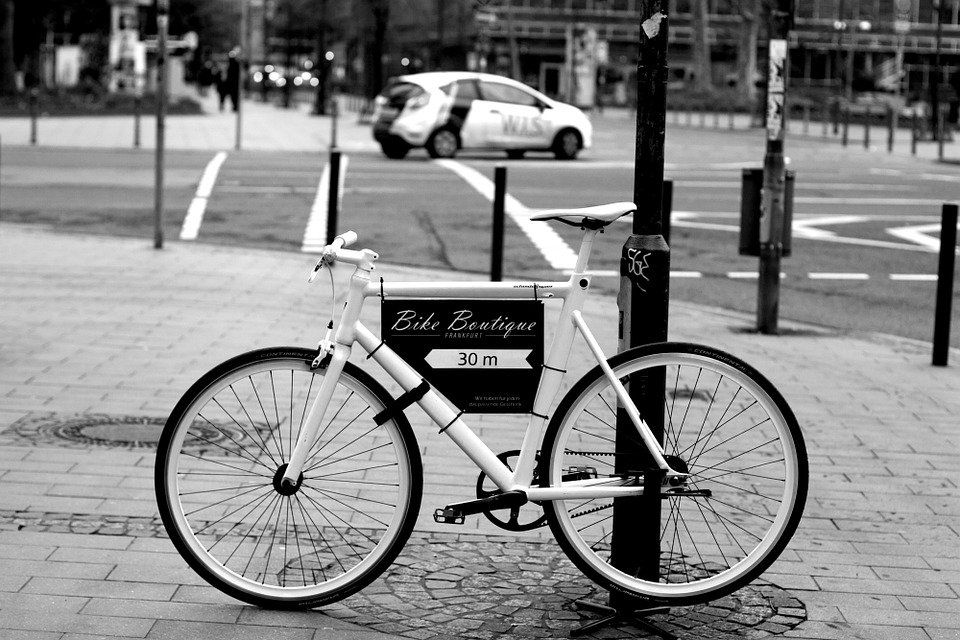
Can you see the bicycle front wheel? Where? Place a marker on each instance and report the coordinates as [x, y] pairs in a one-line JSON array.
[[723, 423], [219, 463]]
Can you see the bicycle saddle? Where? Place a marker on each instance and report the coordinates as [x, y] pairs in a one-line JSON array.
[[596, 216]]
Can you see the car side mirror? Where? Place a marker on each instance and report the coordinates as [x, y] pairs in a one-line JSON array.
[[542, 106]]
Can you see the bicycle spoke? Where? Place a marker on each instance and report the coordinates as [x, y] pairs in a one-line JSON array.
[[316, 552], [320, 462], [239, 426], [253, 426]]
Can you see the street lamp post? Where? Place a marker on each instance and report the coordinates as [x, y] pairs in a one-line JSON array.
[[935, 82]]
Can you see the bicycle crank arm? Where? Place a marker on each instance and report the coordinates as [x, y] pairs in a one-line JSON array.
[[454, 513]]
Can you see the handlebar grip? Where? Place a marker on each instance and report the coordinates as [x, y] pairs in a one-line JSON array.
[[345, 239]]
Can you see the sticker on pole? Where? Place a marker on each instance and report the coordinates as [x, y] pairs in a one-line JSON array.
[[777, 75], [486, 356]]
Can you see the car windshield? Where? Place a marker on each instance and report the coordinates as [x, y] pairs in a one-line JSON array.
[[397, 93]]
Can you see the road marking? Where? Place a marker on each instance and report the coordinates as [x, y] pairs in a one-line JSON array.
[[683, 219], [914, 277], [315, 235], [194, 217], [838, 276], [872, 202], [920, 234], [555, 251]]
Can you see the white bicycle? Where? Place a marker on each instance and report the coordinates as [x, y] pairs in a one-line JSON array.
[[288, 477]]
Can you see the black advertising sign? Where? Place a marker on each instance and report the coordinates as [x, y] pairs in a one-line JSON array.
[[484, 355]]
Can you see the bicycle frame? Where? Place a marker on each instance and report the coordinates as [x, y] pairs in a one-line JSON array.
[[573, 292]]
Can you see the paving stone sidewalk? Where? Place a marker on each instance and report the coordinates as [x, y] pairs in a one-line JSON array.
[[97, 325]]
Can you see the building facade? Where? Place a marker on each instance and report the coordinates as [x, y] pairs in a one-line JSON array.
[[553, 45]]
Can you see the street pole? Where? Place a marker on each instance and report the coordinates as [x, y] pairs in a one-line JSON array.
[[774, 170], [163, 8], [935, 83], [643, 302], [242, 60]]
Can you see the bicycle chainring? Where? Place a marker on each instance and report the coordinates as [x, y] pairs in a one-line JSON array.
[[523, 518]]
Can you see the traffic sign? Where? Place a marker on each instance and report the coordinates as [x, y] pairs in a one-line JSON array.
[[485, 356]]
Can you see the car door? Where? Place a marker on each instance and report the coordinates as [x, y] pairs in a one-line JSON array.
[[514, 118]]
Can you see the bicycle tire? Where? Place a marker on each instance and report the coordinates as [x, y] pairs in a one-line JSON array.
[[223, 451], [758, 497]]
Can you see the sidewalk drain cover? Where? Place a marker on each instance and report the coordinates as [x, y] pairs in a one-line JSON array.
[[105, 430], [450, 586]]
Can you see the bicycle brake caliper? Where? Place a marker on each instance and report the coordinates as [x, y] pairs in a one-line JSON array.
[[324, 354]]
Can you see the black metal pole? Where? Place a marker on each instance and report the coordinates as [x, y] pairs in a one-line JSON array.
[[774, 170], [33, 115], [913, 132], [935, 83], [948, 253], [163, 8], [846, 127], [891, 127], [866, 129], [333, 196], [496, 245], [137, 104], [643, 300]]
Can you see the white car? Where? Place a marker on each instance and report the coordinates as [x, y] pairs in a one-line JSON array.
[[446, 111]]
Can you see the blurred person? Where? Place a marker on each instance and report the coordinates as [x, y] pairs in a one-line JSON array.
[[232, 79]]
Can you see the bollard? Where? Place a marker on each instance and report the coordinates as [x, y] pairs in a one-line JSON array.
[[835, 112], [846, 127], [891, 127], [948, 253], [940, 134], [913, 132], [866, 129], [334, 115], [825, 116], [33, 115], [730, 123], [806, 118], [499, 198], [333, 196], [137, 103], [667, 198]]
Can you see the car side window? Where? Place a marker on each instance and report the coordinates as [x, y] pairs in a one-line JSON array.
[[467, 90], [496, 92]]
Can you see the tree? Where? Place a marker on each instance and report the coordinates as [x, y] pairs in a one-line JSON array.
[[702, 72], [747, 50]]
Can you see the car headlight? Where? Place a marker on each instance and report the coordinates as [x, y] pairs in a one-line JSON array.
[[418, 102]]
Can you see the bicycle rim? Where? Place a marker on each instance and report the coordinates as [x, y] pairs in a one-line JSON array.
[[738, 440], [222, 455]]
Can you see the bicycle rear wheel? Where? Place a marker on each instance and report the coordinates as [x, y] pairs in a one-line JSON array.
[[219, 463], [734, 434]]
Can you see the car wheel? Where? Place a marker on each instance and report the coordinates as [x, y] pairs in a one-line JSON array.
[[515, 154], [443, 144], [395, 150], [567, 144]]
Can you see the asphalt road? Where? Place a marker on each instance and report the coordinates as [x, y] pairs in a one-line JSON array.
[[866, 224]]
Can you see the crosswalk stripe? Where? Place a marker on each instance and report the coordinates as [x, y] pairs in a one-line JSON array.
[[557, 253], [315, 234], [198, 206]]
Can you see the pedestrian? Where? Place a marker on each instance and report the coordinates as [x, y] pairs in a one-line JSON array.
[[207, 76], [232, 80], [221, 83]]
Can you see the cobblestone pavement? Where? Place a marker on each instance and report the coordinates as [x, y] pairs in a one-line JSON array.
[[94, 326]]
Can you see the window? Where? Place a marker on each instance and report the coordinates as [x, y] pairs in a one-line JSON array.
[[496, 92]]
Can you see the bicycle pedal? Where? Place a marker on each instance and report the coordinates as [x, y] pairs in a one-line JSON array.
[[448, 516], [579, 473]]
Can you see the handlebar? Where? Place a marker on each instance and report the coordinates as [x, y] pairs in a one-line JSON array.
[[345, 239], [336, 252]]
